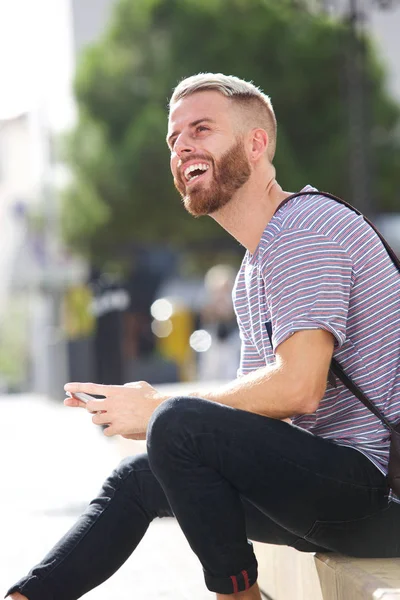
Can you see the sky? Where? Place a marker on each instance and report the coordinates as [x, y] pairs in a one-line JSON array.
[[35, 58]]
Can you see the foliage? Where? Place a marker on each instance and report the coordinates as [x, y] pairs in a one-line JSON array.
[[122, 186], [13, 344]]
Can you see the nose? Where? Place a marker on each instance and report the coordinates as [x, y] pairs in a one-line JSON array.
[[183, 146]]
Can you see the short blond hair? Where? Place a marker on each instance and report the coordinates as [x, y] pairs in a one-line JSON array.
[[256, 105]]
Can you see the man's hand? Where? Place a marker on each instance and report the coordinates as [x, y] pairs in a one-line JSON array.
[[125, 409]]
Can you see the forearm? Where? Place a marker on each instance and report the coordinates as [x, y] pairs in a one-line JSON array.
[[269, 391]]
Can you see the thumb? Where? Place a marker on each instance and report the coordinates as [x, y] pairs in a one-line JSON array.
[[74, 403]]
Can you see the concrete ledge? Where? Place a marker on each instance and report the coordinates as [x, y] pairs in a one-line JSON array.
[[286, 574], [358, 578]]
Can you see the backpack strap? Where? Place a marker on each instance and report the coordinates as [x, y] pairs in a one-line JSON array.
[[358, 393], [336, 368], [389, 250]]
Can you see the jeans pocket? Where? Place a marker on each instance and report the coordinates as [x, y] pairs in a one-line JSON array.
[[363, 537]]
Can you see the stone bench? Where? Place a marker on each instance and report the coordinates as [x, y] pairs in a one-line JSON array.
[[286, 574]]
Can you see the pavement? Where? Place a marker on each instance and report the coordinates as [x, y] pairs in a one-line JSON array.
[[54, 461]]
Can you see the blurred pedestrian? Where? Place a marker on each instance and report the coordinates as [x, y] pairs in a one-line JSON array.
[[315, 282], [220, 361]]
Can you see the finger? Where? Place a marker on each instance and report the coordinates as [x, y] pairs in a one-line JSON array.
[[134, 384], [89, 388], [109, 431], [135, 436], [74, 403], [96, 406], [101, 419]]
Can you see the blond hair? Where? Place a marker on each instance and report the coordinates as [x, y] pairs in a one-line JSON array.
[[255, 104]]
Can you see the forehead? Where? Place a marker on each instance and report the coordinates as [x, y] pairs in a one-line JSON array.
[[206, 104]]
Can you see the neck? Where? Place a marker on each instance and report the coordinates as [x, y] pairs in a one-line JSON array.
[[250, 210]]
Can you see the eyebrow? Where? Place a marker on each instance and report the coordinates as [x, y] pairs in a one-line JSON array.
[[191, 125]]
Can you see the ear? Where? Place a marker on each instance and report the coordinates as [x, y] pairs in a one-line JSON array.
[[258, 144]]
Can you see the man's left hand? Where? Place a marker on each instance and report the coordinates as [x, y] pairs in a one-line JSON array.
[[125, 409]]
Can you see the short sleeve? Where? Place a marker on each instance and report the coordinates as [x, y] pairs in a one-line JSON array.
[[308, 280]]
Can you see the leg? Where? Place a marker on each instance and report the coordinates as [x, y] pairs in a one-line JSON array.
[[252, 593], [261, 528], [258, 526], [208, 456], [103, 537]]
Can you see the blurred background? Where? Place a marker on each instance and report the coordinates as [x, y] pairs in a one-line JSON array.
[[104, 275]]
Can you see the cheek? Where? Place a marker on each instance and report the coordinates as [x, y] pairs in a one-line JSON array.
[[173, 165]]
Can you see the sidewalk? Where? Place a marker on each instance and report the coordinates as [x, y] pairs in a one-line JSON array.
[[53, 462]]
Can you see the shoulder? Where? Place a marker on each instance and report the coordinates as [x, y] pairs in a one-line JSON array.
[[312, 219], [316, 213]]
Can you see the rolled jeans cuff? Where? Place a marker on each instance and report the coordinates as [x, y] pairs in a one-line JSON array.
[[233, 583]]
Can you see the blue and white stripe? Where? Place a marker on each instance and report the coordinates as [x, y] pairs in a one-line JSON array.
[[320, 266]]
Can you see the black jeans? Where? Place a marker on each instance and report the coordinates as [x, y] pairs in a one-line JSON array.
[[228, 476]]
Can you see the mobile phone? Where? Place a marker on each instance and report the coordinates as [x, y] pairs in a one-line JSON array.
[[83, 397]]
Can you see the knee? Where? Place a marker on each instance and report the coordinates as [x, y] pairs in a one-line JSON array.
[[125, 475], [171, 422], [131, 465], [169, 419]]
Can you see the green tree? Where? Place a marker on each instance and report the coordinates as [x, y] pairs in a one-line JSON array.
[[14, 343], [122, 187]]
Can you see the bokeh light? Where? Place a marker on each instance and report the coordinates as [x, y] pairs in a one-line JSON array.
[[161, 309], [200, 340], [162, 329]]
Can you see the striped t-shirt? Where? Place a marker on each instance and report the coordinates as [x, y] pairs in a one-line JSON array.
[[319, 265]]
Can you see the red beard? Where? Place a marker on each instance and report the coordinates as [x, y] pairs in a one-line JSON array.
[[229, 174]]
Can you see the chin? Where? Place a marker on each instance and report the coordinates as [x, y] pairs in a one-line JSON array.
[[197, 201], [195, 208]]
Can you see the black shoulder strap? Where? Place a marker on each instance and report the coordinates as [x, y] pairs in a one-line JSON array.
[[358, 393], [335, 366], [389, 250]]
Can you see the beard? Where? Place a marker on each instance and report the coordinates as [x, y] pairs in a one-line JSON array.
[[229, 174]]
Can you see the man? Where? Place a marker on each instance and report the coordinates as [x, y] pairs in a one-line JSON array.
[[315, 281]]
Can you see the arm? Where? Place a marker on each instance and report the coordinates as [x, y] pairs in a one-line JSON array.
[[308, 283], [294, 385], [308, 280]]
